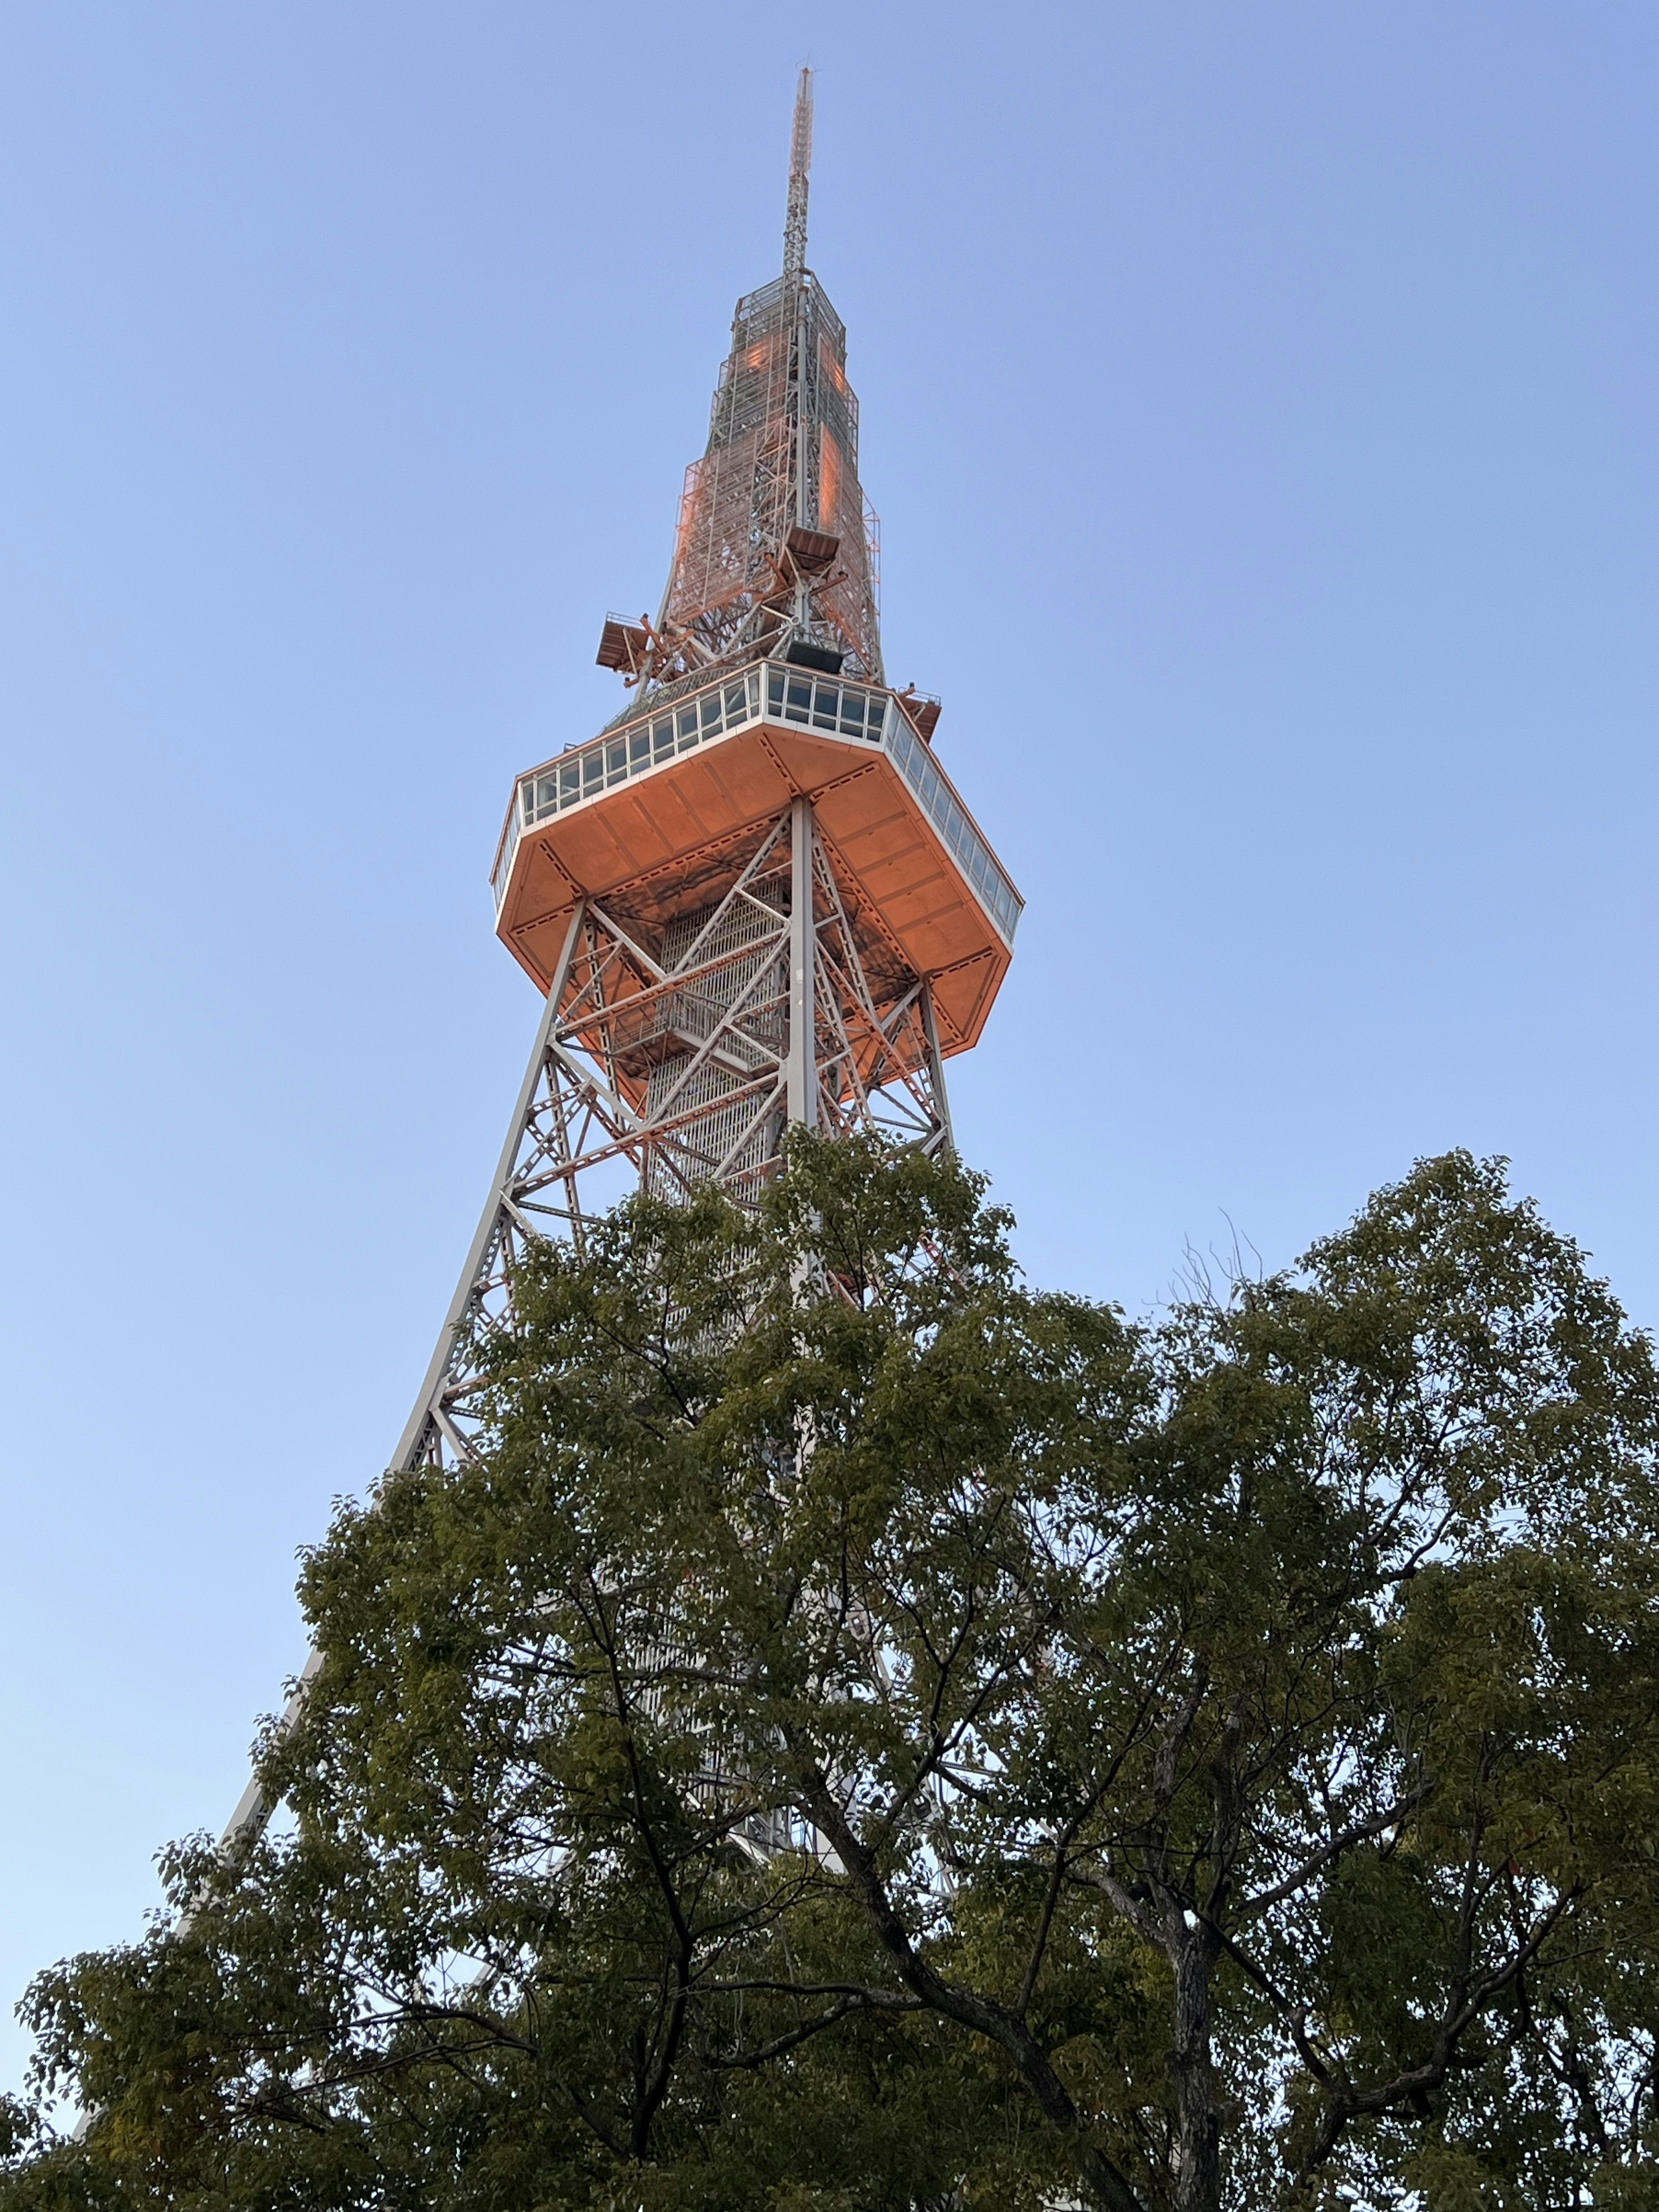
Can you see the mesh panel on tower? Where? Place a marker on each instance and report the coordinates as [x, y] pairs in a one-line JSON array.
[[782, 450]]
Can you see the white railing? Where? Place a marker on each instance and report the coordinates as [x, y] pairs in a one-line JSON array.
[[954, 824], [773, 691]]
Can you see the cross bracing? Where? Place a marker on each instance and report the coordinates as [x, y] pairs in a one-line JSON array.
[[676, 1063]]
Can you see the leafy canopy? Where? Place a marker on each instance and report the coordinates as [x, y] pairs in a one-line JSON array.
[[864, 1734]]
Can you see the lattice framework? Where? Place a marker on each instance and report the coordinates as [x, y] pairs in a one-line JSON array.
[[683, 1063], [775, 539]]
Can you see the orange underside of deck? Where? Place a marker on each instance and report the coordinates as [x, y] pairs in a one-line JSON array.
[[672, 842]]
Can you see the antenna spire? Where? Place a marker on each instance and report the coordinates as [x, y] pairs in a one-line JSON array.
[[800, 160]]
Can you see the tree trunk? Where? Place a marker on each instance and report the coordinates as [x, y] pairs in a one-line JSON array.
[[1198, 2110]]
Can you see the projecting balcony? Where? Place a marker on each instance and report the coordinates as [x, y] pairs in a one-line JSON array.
[[652, 819], [770, 691]]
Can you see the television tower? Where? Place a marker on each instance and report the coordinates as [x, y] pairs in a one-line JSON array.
[[755, 899]]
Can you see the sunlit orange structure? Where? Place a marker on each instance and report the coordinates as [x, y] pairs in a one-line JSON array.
[[756, 897]]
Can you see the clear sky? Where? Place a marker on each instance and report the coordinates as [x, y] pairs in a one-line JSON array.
[[1260, 404]]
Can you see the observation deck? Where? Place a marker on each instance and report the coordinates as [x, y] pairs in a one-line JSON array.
[[655, 817]]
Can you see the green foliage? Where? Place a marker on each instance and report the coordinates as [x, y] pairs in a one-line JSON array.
[[866, 1735]]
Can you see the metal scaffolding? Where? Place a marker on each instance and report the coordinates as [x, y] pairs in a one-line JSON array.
[[776, 539]]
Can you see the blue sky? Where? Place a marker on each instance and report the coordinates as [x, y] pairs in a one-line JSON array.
[[1258, 405]]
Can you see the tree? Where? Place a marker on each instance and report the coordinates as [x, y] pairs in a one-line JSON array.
[[867, 1735]]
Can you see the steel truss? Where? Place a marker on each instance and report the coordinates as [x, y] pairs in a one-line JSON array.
[[781, 460], [678, 1056]]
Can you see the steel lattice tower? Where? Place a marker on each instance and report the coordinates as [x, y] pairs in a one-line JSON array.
[[755, 899]]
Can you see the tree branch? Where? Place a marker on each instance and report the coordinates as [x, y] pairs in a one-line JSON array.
[[968, 2007], [1359, 1832]]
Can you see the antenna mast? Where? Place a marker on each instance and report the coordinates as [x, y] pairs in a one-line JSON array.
[[800, 160]]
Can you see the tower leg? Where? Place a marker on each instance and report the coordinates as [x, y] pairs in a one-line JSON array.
[[415, 1444], [936, 1068], [802, 1079], [429, 1426]]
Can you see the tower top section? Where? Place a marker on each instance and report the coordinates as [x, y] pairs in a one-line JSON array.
[[777, 550], [755, 897]]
